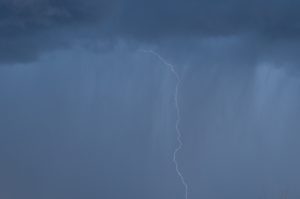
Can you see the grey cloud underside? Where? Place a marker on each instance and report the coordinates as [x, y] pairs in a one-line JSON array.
[[28, 28], [31, 27]]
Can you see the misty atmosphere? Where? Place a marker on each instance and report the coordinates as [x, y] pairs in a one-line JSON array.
[[149, 99]]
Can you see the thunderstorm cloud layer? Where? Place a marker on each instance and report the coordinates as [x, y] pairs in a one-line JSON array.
[[86, 113], [29, 28]]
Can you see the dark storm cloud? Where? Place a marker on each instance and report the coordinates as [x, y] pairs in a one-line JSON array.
[[211, 18], [28, 28]]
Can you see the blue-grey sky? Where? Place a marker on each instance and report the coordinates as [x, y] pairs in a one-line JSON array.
[[86, 113]]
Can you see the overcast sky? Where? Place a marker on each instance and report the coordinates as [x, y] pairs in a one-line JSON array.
[[86, 113]]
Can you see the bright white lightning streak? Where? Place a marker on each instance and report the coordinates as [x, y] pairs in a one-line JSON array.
[[180, 143]]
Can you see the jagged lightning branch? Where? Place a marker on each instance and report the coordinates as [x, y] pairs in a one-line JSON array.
[[180, 143]]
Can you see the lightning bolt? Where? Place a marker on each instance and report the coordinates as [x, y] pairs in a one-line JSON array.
[[178, 118]]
